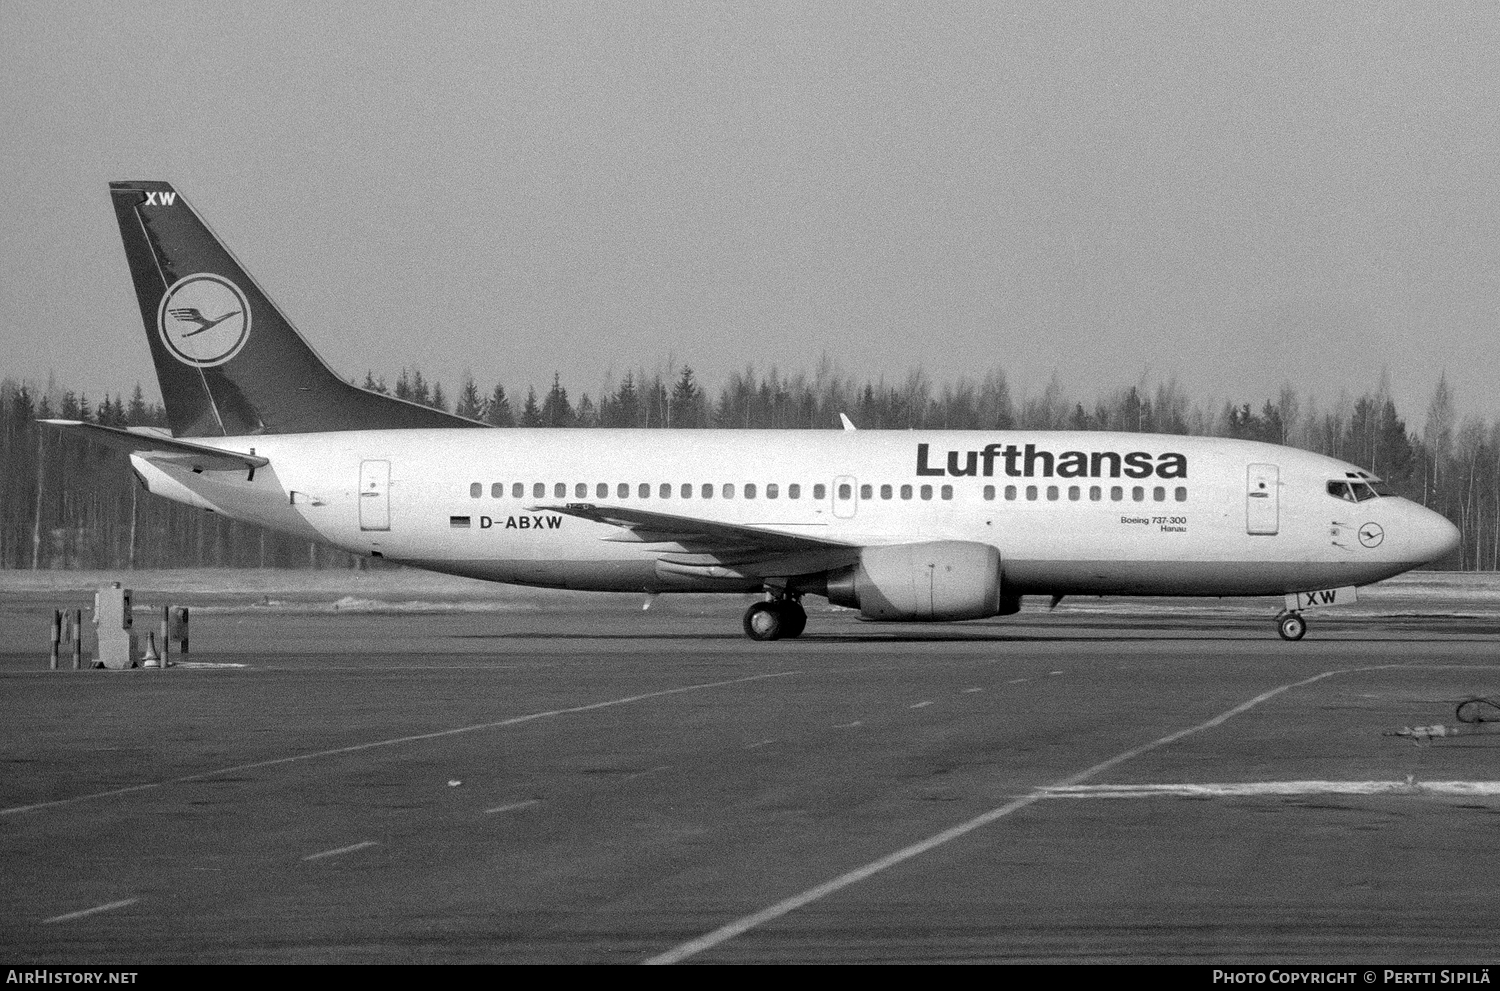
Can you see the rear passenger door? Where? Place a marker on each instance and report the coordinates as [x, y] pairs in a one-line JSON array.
[[374, 495]]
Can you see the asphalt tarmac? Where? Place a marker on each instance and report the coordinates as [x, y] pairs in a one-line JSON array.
[[613, 786]]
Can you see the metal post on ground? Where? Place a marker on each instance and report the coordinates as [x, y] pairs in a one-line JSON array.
[[77, 639], [166, 643], [56, 638]]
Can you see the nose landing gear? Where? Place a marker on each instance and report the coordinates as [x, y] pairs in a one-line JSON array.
[[1291, 625], [775, 619]]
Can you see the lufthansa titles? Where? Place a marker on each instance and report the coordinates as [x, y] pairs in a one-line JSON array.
[[1031, 462]]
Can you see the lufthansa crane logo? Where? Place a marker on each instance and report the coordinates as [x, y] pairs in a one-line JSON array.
[[204, 320], [1371, 534]]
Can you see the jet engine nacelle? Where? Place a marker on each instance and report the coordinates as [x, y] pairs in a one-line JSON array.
[[943, 579]]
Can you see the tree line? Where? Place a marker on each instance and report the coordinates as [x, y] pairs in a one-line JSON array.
[[66, 502]]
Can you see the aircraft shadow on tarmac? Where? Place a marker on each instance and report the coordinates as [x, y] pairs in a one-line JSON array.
[[1120, 632]]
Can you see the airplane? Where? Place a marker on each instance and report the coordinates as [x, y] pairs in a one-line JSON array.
[[900, 525]]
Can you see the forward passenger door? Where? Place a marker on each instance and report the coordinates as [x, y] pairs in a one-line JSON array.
[[1262, 499]]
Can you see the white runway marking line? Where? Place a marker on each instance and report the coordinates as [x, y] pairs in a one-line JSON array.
[[656, 770], [848, 725], [919, 705], [439, 734], [342, 849], [513, 806], [1258, 788], [91, 911], [770, 914]]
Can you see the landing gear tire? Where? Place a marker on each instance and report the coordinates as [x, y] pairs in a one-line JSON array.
[[793, 618], [775, 620], [764, 621], [1291, 626]]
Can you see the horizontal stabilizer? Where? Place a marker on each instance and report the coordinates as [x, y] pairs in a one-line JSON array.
[[149, 443]]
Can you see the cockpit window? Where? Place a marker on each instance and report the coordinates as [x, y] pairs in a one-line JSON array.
[[1380, 487], [1354, 489]]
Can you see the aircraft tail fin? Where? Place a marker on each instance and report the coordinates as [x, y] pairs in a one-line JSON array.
[[228, 361]]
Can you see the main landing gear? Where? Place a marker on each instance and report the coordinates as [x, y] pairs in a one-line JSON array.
[[775, 619], [1291, 625]]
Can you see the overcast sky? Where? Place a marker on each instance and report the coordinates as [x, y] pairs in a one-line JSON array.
[[1235, 194]]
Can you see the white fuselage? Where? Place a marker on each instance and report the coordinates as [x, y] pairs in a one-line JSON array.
[[1098, 513]]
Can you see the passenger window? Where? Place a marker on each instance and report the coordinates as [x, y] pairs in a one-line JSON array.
[[1095, 493], [476, 489], [581, 490], [906, 491], [622, 491], [820, 492], [601, 491], [1052, 493], [1031, 493], [1074, 493], [644, 490], [1010, 493], [687, 490], [1116, 493], [749, 490], [1181, 494], [867, 491], [1138, 494], [794, 491], [517, 490], [772, 491], [539, 490], [497, 490], [989, 493], [707, 491], [927, 492], [846, 490], [728, 490], [560, 490], [946, 492], [886, 492], [1159, 494], [665, 491]]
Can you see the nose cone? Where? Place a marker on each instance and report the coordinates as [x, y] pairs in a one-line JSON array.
[[1434, 537]]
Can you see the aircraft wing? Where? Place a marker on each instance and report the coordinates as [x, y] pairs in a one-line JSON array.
[[160, 448], [716, 547]]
